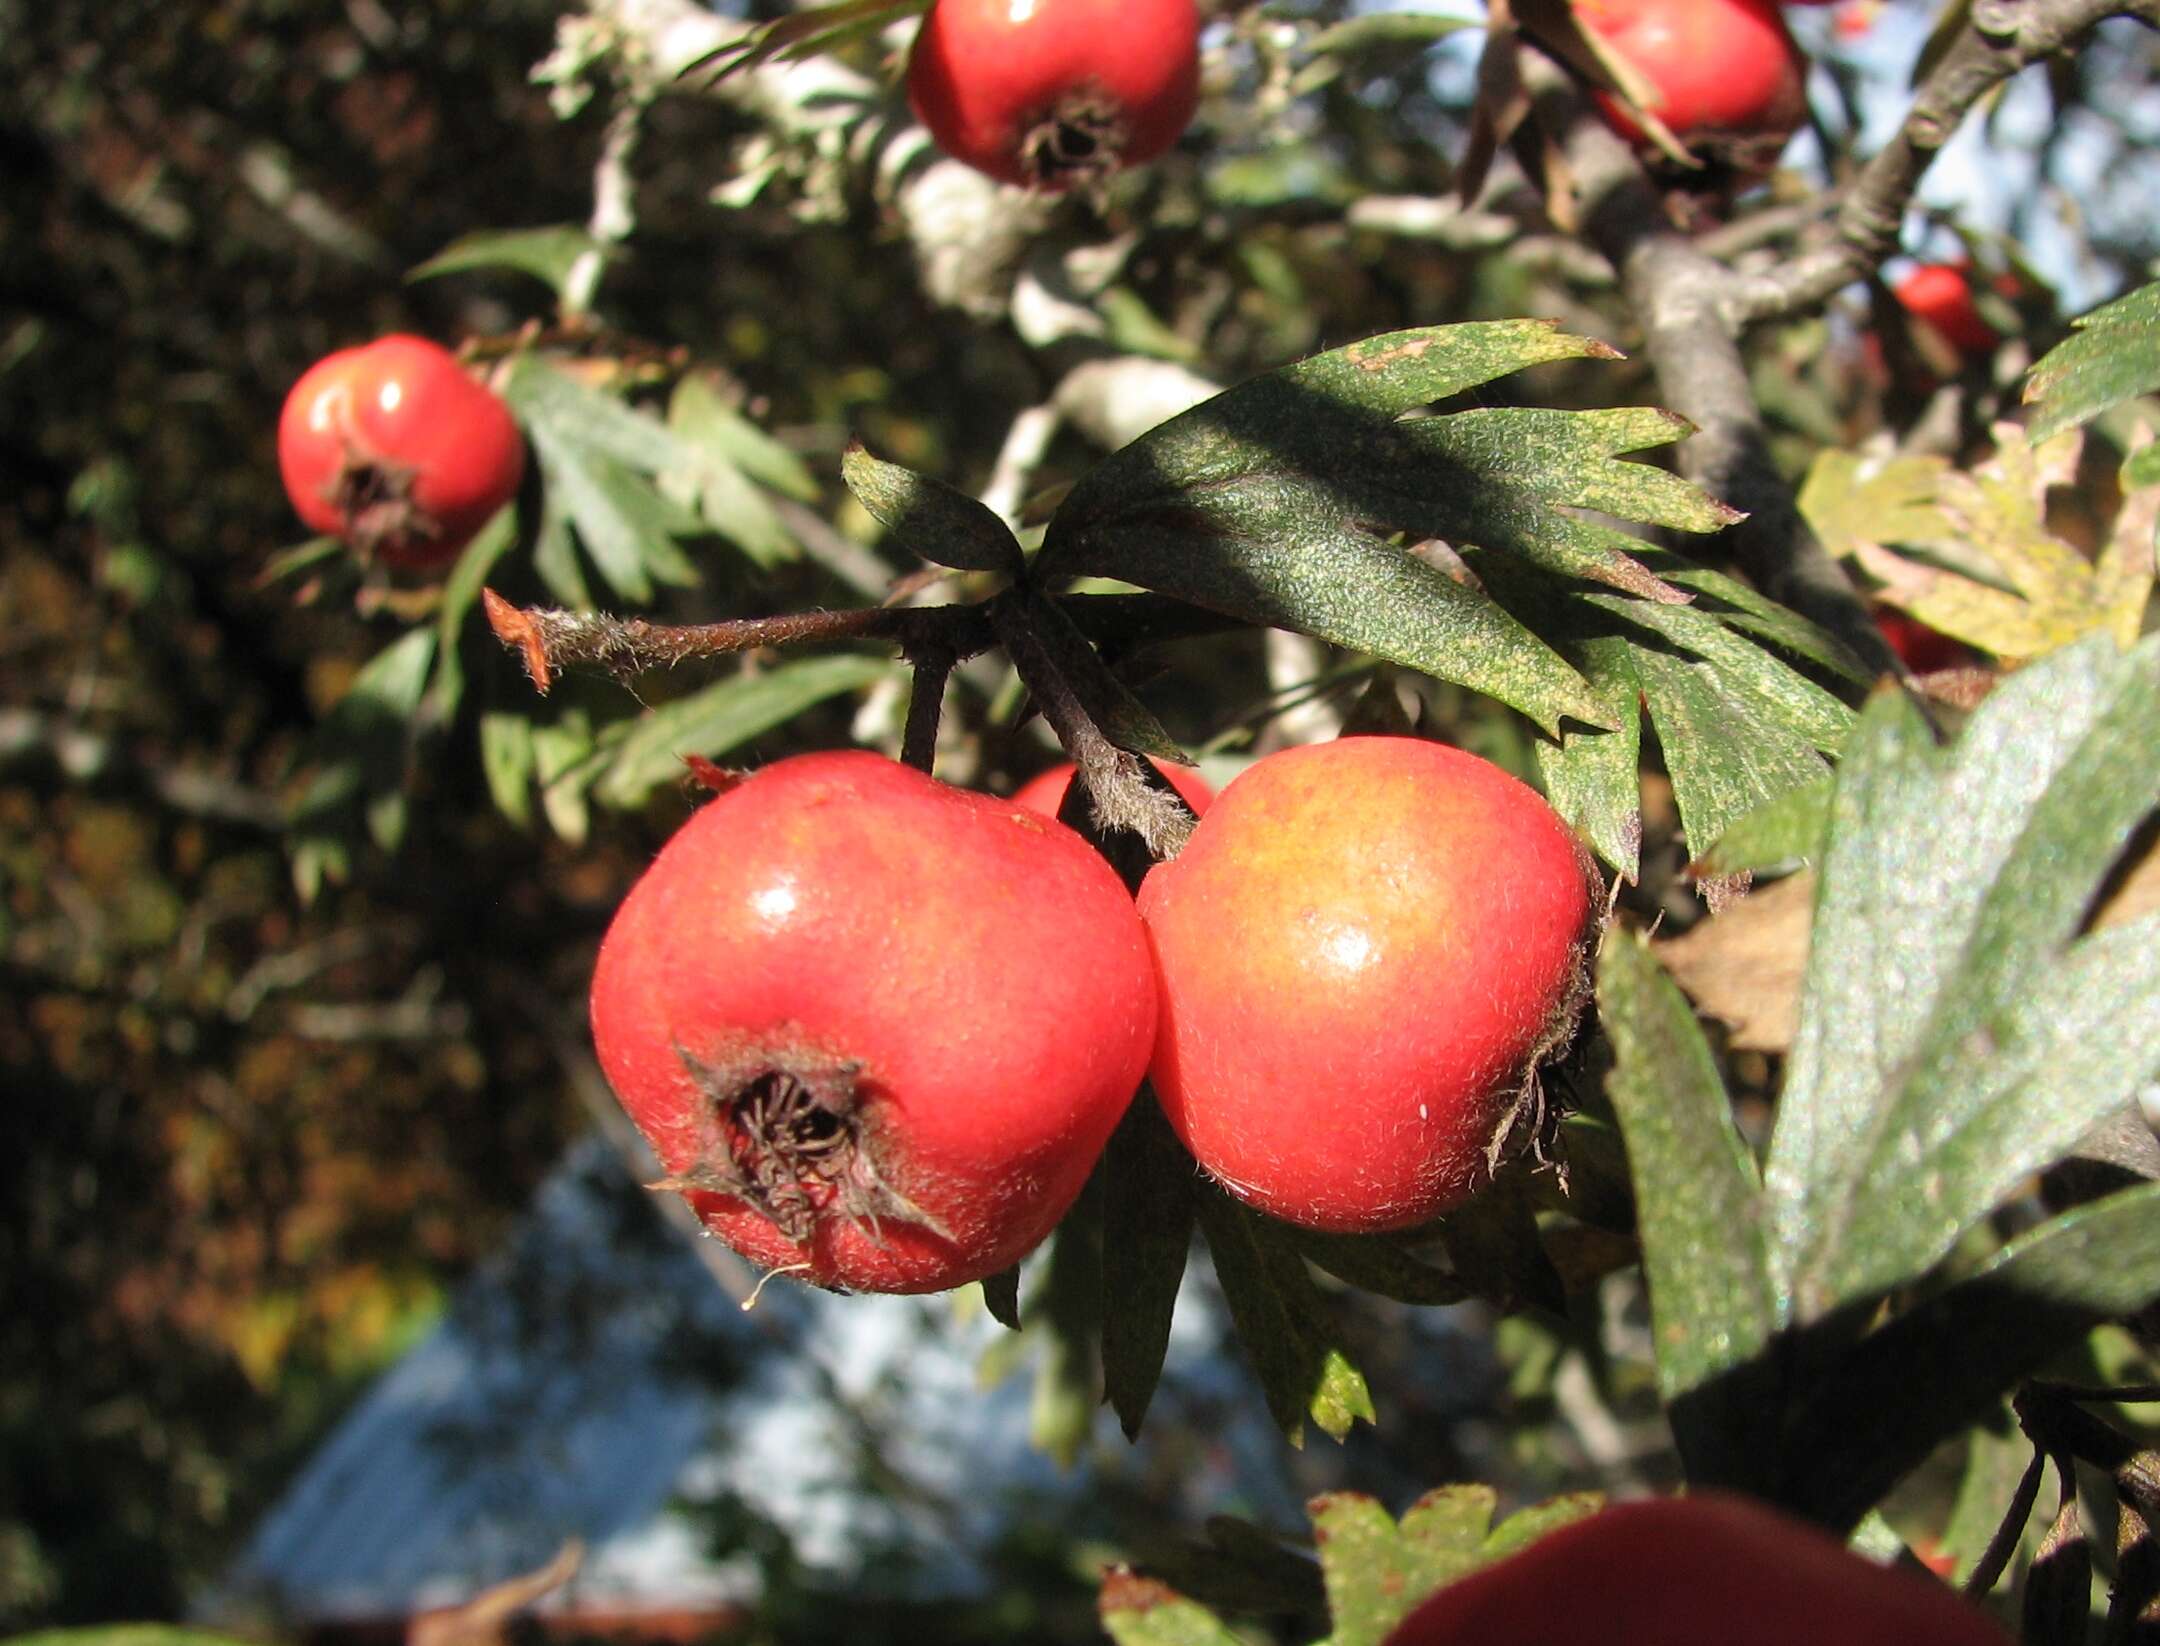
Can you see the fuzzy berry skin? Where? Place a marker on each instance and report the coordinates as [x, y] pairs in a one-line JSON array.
[[1045, 791], [1364, 950], [1710, 1569], [878, 1029], [392, 447], [1939, 296], [1729, 81], [1047, 93]]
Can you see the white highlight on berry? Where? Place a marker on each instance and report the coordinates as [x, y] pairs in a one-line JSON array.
[[774, 903]]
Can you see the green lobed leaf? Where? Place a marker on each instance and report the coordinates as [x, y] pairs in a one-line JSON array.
[[362, 752], [1381, 1265], [1944, 1364], [2112, 355], [1594, 778], [1953, 1037], [724, 716], [1493, 1248], [578, 418], [1714, 1297], [928, 518], [626, 526], [699, 416], [1568, 454], [1737, 724], [1775, 692], [1140, 1611], [1785, 833], [460, 593], [555, 555], [1388, 29], [1148, 1186], [1743, 609], [724, 461], [1001, 1296], [548, 253], [1378, 1571], [1269, 502], [1725, 755], [804, 33], [1282, 1321], [508, 762], [1322, 577]]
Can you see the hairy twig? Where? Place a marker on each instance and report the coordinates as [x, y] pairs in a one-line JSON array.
[[2000, 38], [1126, 795], [550, 639]]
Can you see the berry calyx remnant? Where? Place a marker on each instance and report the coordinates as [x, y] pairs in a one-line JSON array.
[[393, 448], [1051, 94], [876, 1028]]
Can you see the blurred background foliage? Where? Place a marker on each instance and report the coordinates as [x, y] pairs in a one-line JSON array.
[[250, 1138]]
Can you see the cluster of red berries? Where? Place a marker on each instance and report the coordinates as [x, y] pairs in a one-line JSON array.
[[394, 448], [878, 1028]]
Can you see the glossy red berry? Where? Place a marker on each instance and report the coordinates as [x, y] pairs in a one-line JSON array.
[[878, 1029], [1939, 296], [1364, 951], [1045, 791], [1726, 76], [1706, 1570], [1049, 93], [392, 447]]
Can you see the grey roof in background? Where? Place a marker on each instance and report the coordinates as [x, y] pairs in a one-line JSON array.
[[594, 1381]]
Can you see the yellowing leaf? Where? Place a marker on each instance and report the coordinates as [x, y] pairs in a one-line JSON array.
[[1980, 563], [1850, 499]]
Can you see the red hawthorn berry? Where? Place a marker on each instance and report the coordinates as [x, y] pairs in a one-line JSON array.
[[1924, 650], [1364, 951], [1939, 296], [1048, 93], [392, 447], [1706, 1570], [1045, 791], [1727, 78], [877, 1029], [1854, 18]]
